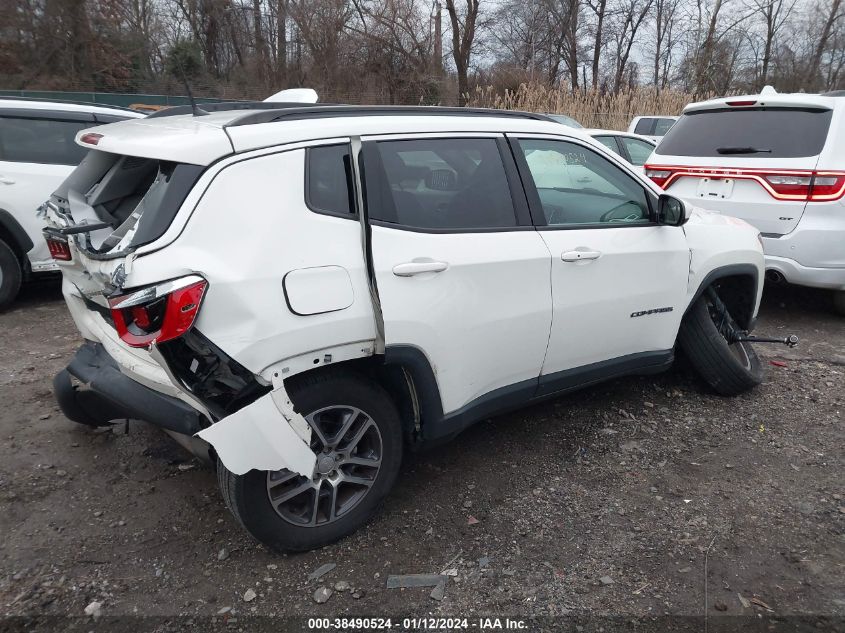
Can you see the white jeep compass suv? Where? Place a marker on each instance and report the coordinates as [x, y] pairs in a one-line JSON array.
[[37, 152], [302, 293], [776, 161]]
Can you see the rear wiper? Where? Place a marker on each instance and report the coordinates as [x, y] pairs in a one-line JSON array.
[[742, 150]]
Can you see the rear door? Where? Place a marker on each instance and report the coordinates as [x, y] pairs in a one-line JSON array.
[[461, 273], [749, 162], [37, 152], [619, 281]]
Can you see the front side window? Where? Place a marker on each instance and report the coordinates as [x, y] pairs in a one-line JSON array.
[[638, 150], [329, 180], [577, 186], [43, 141], [455, 183]]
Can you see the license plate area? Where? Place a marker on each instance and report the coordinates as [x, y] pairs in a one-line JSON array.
[[715, 188]]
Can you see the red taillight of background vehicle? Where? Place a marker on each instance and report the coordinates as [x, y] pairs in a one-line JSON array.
[[827, 185], [158, 313], [59, 249], [800, 185], [740, 104], [659, 176], [793, 186]]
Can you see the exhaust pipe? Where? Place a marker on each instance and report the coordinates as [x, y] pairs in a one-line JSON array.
[[774, 276]]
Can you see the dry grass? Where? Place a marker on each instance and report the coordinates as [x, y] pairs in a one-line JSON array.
[[592, 109]]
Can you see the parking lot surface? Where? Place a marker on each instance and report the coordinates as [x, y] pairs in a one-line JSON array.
[[645, 495]]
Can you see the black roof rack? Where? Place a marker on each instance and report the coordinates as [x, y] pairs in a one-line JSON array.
[[66, 102], [225, 106], [293, 112]]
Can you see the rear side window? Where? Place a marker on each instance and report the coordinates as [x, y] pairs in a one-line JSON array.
[[329, 180], [644, 126], [662, 126], [42, 141], [749, 132], [456, 183]]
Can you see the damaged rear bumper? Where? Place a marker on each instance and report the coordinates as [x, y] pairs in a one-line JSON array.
[[104, 394]]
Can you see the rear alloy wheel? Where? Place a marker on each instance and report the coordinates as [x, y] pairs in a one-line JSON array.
[[708, 336], [356, 435], [349, 447], [839, 301], [10, 275]]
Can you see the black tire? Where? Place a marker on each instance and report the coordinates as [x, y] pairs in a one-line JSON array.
[[728, 369], [10, 275], [839, 301], [248, 497]]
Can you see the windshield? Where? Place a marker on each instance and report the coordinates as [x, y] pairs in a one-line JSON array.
[[751, 132]]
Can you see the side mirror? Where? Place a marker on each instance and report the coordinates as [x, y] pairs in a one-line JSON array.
[[672, 211]]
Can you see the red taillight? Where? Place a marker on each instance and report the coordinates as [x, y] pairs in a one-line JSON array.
[[659, 176], [792, 185], [159, 313], [737, 104], [827, 186], [802, 185], [59, 249], [90, 138]]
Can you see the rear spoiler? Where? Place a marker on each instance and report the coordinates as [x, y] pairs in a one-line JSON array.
[[812, 102]]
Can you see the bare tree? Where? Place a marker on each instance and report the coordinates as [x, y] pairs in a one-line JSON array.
[[833, 16], [665, 20], [599, 8], [463, 22], [774, 14], [630, 16]]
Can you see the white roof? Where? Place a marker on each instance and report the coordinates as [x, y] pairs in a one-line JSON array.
[[203, 139], [772, 99], [61, 106]]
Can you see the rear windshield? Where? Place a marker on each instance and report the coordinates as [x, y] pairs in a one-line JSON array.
[[138, 197], [749, 132]]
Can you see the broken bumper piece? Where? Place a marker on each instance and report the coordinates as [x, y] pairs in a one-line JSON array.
[[105, 394], [265, 435]]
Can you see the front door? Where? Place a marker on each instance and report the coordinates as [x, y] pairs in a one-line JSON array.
[[461, 273], [619, 280]]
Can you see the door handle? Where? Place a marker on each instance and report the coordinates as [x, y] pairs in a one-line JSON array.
[[577, 256], [409, 269], [6, 180]]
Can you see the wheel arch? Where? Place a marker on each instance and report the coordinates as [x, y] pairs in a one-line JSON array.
[[15, 236], [396, 375], [738, 286]]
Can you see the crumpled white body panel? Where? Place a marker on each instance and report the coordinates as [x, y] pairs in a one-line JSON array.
[[260, 437]]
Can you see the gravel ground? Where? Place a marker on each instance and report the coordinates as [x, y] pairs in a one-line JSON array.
[[641, 497]]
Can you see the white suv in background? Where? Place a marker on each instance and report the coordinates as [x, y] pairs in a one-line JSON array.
[[37, 152], [303, 293], [776, 161]]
